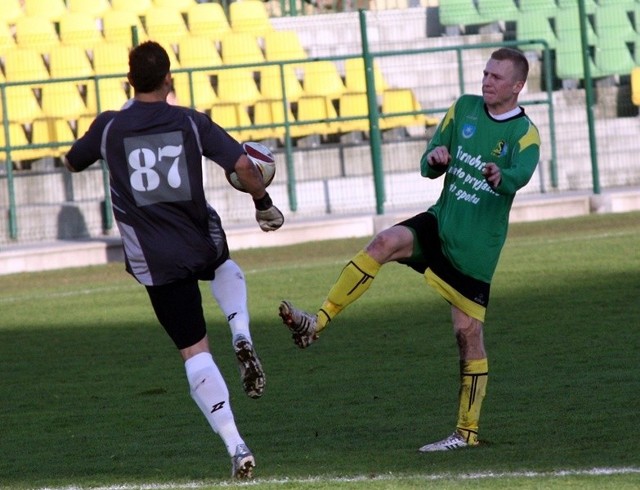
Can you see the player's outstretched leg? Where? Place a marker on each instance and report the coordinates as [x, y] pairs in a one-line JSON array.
[[251, 372], [242, 463], [301, 324]]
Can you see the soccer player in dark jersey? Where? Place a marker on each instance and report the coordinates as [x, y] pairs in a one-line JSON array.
[[172, 237], [487, 148]]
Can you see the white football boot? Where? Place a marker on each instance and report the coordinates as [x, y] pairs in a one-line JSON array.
[[454, 441]]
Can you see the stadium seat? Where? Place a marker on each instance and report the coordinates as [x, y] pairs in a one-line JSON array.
[[7, 41], [238, 48], [111, 95], [317, 109], [181, 6], [271, 83], [635, 86], [69, 61], [62, 100], [535, 25], [569, 64], [354, 104], [117, 27], [270, 112], [249, 16], [590, 5], [567, 23], [612, 57], [56, 133], [208, 19], [22, 104], [198, 52], [547, 7], [238, 86], [18, 137], [234, 118], [195, 91], [497, 10], [79, 29], [95, 8], [402, 100], [322, 78], [355, 76], [459, 13], [110, 58], [51, 10], [11, 10], [24, 64], [138, 7], [36, 33], [164, 24], [614, 21], [283, 46]]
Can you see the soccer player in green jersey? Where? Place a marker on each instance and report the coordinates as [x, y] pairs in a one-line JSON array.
[[487, 149]]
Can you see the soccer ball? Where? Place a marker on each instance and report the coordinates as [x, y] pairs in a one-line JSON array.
[[262, 158]]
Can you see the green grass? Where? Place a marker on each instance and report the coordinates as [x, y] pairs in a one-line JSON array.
[[92, 392]]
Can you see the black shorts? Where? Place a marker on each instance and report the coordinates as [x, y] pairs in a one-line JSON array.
[[178, 307], [428, 259]]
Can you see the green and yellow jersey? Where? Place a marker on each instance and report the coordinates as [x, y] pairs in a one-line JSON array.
[[472, 216]]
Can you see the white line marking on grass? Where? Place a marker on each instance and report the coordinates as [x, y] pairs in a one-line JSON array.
[[355, 479], [65, 294]]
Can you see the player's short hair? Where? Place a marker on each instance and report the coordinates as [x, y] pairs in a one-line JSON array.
[[519, 60], [148, 66]]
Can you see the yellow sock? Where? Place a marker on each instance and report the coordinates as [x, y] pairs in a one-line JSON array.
[[473, 386], [354, 280]]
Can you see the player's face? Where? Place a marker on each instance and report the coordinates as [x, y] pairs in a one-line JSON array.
[[500, 88]]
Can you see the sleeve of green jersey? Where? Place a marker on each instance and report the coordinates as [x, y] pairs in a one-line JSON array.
[[441, 137], [526, 155]]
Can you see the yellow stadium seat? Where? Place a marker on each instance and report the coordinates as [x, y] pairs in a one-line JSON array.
[[322, 78], [355, 76], [18, 137], [316, 109], [198, 52], [270, 112], [22, 64], [138, 7], [110, 58], [69, 61], [271, 83], [62, 100], [165, 24], [209, 20], [181, 6], [95, 8], [249, 16], [197, 92], [239, 48], [234, 118], [47, 9], [7, 41], [237, 85], [354, 104], [635, 86], [117, 27], [79, 29], [22, 104], [36, 33], [283, 46], [11, 10], [56, 133], [402, 100], [112, 95]]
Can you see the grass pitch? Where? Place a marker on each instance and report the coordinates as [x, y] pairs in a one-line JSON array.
[[93, 393]]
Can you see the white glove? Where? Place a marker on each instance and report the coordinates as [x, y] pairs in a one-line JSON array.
[[268, 216]]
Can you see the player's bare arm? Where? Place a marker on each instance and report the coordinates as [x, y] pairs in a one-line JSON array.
[[439, 157], [492, 173]]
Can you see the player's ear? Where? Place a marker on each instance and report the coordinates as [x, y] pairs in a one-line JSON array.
[[518, 86]]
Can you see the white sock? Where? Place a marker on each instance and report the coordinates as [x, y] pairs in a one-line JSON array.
[[210, 393], [230, 291]]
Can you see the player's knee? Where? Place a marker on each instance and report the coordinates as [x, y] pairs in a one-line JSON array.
[[389, 244]]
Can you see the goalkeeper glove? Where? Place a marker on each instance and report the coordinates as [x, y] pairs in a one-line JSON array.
[[268, 216]]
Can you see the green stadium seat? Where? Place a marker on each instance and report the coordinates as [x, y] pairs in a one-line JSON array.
[[614, 21], [613, 57], [459, 12], [536, 25], [548, 7], [569, 64], [497, 10], [567, 22]]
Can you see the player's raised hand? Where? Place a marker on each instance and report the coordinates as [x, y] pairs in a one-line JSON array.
[[439, 157]]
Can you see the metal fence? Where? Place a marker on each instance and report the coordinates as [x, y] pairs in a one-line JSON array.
[[350, 162]]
